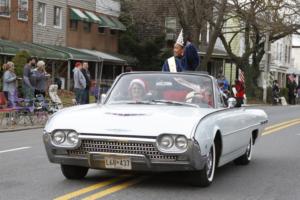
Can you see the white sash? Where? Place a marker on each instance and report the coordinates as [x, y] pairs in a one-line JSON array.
[[172, 64]]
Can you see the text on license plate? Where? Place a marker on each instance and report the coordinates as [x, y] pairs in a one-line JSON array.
[[114, 162]]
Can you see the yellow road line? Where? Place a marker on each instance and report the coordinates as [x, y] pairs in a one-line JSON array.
[[89, 189], [280, 128], [281, 124], [114, 189]]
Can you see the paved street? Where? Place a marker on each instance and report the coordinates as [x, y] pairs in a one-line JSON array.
[[25, 172]]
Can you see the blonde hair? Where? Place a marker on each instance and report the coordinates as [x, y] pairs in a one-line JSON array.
[[40, 65], [10, 64]]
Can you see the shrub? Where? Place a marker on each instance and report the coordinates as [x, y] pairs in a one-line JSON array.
[[20, 60]]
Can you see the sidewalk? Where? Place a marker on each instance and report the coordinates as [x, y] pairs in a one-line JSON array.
[[19, 128]]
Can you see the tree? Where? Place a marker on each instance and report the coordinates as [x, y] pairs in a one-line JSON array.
[[254, 20], [148, 52], [194, 15]]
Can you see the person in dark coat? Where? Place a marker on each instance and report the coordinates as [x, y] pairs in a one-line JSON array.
[[87, 76], [292, 86], [185, 57], [275, 92]]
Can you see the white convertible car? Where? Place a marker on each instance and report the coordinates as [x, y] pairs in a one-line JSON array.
[[155, 121]]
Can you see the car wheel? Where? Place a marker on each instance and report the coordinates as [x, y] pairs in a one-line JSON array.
[[74, 172], [246, 157], [204, 177]]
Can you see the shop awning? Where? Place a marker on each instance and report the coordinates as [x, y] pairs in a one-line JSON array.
[[77, 14], [108, 22], [12, 48], [73, 53], [119, 24], [93, 17], [104, 56]]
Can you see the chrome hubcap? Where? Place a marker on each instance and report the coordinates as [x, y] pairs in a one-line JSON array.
[[249, 149], [209, 164]]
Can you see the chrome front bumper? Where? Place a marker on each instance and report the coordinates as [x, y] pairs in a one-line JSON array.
[[150, 159]]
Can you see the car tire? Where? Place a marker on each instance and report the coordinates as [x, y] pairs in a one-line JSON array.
[[74, 172], [204, 177], [246, 157]]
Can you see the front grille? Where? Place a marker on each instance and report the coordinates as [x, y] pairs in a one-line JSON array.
[[147, 149]]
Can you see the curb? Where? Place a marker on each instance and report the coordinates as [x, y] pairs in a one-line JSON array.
[[20, 129]]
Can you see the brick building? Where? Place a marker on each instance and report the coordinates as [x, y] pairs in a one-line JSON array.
[[62, 32], [16, 20]]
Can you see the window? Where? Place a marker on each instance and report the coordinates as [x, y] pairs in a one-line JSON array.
[[4, 7], [41, 14], [73, 25], [286, 54], [101, 30], [57, 17], [113, 32], [87, 27], [170, 24], [23, 10]]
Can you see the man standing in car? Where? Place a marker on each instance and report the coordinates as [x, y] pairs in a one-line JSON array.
[[185, 57]]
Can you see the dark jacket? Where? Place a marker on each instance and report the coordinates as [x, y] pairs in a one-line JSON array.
[[87, 77]]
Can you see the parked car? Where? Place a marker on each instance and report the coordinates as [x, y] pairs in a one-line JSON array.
[[155, 121]]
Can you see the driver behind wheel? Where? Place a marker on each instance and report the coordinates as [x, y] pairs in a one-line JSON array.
[[204, 97]]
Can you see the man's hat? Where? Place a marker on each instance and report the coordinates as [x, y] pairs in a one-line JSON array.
[[180, 40]]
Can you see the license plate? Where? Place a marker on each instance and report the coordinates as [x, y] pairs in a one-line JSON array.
[[112, 162]]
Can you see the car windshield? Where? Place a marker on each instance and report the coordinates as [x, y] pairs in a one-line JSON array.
[[173, 89]]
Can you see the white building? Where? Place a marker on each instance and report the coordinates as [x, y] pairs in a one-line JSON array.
[[280, 62], [295, 55]]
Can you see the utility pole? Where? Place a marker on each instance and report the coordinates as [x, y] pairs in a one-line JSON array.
[[266, 68]]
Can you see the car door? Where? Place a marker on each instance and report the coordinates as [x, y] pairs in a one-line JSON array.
[[234, 123]]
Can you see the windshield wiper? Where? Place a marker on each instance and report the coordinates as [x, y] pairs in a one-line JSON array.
[[177, 103]]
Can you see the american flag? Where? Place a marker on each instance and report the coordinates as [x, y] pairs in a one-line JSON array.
[[291, 77], [241, 76]]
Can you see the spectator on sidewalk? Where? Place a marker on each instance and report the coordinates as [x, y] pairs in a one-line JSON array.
[[10, 83], [239, 92], [79, 83], [292, 85], [28, 86], [87, 76], [41, 77]]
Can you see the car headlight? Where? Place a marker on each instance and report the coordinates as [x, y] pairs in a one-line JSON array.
[[72, 138], [59, 137], [166, 142], [181, 142], [65, 138], [172, 143]]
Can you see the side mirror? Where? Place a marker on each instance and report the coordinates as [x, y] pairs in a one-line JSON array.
[[103, 97], [231, 102]]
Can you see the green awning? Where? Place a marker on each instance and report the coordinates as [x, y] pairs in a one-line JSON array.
[[109, 58], [76, 14], [119, 24], [92, 17], [72, 53], [102, 23], [12, 48], [108, 22]]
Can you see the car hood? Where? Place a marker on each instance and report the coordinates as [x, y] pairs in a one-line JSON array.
[[128, 120]]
